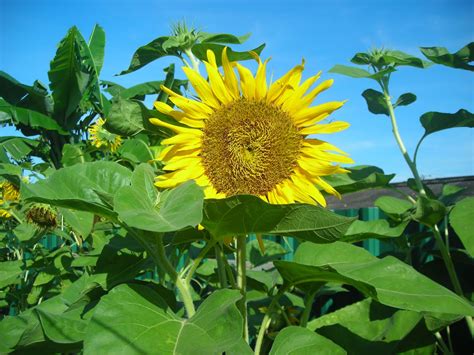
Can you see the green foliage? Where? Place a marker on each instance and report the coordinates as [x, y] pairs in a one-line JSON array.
[[148, 324], [242, 215], [125, 267], [375, 102], [388, 280], [297, 340], [459, 59], [462, 220]]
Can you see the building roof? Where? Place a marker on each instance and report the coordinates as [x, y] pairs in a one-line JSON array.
[[366, 198]]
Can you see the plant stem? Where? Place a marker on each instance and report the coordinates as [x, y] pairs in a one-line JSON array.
[[448, 262], [267, 319], [221, 271], [308, 303], [242, 281], [442, 344], [198, 260], [399, 140], [182, 286], [193, 59]]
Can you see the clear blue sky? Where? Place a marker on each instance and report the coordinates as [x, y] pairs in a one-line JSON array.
[[325, 33]]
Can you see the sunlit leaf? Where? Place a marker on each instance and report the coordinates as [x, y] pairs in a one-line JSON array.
[[388, 280], [244, 214], [461, 219], [459, 60], [298, 340], [135, 319]]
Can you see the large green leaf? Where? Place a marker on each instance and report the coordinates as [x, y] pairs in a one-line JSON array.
[[9, 272], [462, 220], [244, 214], [133, 319], [224, 38], [301, 341], [97, 47], [375, 102], [139, 91], [200, 51], [367, 327], [355, 72], [429, 211], [80, 221], [396, 208], [86, 187], [17, 147], [68, 79], [397, 58], [26, 117], [388, 280], [148, 53], [142, 206], [437, 121], [380, 228], [460, 59], [359, 178], [136, 151]]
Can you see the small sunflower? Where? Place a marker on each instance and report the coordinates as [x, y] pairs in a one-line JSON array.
[[10, 192], [101, 138], [3, 212], [253, 139]]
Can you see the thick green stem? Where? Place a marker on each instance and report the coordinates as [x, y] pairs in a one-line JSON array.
[[193, 59], [308, 303], [182, 286], [221, 271], [242, 281], [448, 262]]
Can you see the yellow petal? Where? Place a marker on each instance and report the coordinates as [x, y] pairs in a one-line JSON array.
[[182, 138], [211, 58], [314, 168], [328, 188], [217, 84], [295, 102], [319, 154], [179, 116], [247, 82], [311, 112], [327, 128], [308, 99], [174, 128], [261, 80], [322, 145], [192, 108], [279, 86], [230, 79], [184, 162], [307, 187], [202, 87]]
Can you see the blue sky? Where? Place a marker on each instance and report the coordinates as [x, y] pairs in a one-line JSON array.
[[324, 33]]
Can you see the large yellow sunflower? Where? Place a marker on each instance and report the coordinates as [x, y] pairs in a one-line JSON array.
[[252, 139]]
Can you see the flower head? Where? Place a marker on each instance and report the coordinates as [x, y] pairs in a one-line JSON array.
[[101, 138], [10, 192], [247, 137], [4, 213]]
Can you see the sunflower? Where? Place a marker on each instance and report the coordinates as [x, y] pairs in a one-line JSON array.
[[101, 138], [10, 192], [3, 212], [253, 139]]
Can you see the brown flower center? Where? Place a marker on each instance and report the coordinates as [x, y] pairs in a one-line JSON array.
[[248, 147]]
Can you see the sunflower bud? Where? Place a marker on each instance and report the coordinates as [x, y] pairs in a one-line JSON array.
[[42, 215]]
